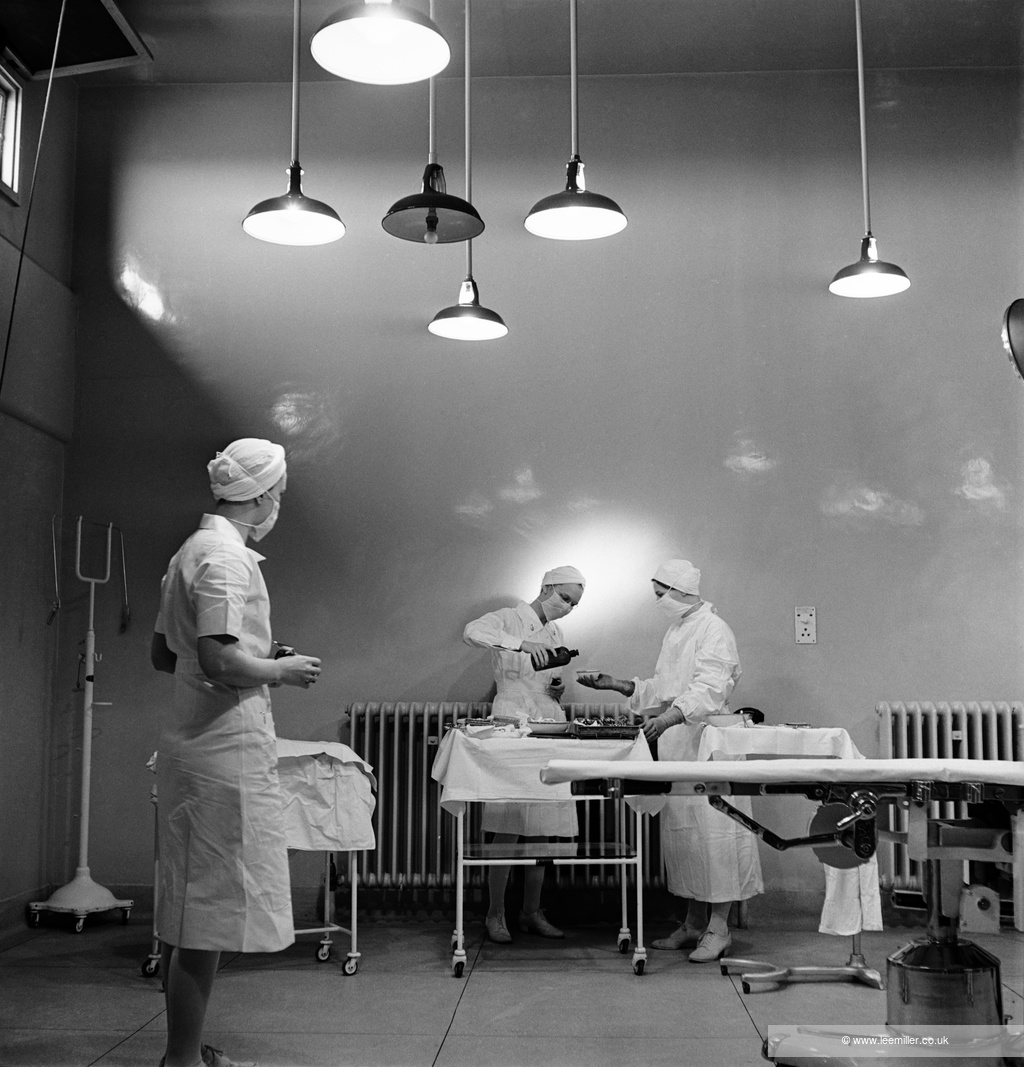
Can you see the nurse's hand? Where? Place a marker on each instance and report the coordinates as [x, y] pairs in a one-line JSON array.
[[596, 681], [539, 654], [556, 690], [300, 671]]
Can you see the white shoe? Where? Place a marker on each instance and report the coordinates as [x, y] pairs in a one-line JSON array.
[[682, 937], [711, 947]]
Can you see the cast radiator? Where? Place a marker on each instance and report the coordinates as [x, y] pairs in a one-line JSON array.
[[416, 838], [981, 731]]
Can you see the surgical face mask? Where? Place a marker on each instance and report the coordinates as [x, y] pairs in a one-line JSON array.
[[555, 607], [672, 608], [261, 530]]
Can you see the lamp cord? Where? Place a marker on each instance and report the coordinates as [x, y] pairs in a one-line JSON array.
[[31, 195], [863, 120], [295, 83], [431, 147], [469, 150], [573, 78]]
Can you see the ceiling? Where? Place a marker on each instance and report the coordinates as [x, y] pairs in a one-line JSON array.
[[201, 41]]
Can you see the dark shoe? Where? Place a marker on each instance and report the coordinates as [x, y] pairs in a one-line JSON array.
[[497, 931], [536, 923]]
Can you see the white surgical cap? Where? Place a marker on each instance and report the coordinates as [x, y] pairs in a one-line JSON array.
[[563, 576], [245, 469], [679, 574]]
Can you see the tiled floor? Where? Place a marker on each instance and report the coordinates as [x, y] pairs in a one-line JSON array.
[[69, 1000]]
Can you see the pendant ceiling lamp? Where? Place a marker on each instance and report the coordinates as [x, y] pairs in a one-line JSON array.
[[468, 320], [380, 42], [432, 216], [574, 214], [869, 276], [294, 219]]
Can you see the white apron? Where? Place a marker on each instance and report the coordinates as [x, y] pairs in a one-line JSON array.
[[224, 881], [707, 855], [223, 870], [522, 694]]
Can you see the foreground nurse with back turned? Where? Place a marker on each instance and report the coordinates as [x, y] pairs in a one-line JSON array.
[[223, 870], [709, 858]]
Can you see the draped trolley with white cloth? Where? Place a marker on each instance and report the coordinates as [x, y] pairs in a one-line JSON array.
[[506, 768], [328, 792], [328, 806]]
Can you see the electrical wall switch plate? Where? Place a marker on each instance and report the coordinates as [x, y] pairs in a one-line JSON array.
[[806, 626]]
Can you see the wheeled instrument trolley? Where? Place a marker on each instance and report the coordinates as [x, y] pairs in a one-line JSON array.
[[507, 768], [328, 805]]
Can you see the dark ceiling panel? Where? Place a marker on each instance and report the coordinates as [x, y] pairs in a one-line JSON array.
[[94, 36]]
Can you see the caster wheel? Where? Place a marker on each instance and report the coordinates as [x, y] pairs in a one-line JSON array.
[[32, 917], [457, 968], [723, 969], [323, 953], [79, 924], [126, 914], [624, 945], [151, 967], [638, 967], [351, 966], [746, 987]]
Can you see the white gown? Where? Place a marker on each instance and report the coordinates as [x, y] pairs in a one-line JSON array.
[[223, 869], [707, 855], [522, 694]]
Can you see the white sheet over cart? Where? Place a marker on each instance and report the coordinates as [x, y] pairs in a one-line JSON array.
[[852, 900], [328, 796], [328, 807], [505, 768]]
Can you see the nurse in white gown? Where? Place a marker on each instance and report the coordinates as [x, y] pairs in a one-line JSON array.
[[520, 640], [709, 858], [223, 866]]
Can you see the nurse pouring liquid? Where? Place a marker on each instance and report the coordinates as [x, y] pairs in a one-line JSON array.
[[523, 641]]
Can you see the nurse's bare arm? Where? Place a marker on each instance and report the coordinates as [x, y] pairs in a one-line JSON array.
[[162, 658], [223, 660]]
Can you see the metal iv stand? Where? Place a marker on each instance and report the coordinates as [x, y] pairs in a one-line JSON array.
[[82, 896]]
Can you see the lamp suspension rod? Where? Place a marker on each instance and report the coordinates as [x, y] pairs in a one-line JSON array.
[[863, 119], [469, 150], [431, 147], [574, 106], [295, 83]]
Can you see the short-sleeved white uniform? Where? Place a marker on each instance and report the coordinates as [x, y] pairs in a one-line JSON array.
[[522, 694], [223, 861]]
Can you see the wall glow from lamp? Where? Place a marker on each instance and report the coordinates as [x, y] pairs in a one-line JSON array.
[[380, 43], [574, 214], [617, 557], [294, 219], [869, 276]]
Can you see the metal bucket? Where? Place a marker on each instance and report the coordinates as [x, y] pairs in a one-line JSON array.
[[949, 983]]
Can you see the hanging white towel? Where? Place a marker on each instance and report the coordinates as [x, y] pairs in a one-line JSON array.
[[852, 900]]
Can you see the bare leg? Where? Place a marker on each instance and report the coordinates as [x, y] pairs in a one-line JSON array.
[[188, 979], [533, 883], [719, 921], [497, 879]]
